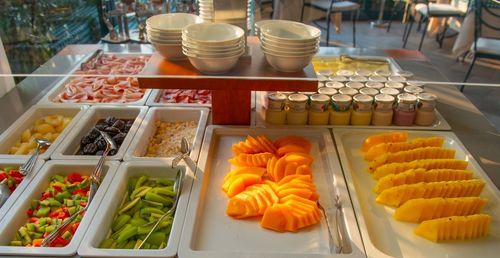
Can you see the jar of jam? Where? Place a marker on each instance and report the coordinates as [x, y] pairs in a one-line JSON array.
[[390, 91], [327, 91], [340, 113], [297, 109], [404, 112], [363, 72], [374, 85], [377, 78], [415, 90], [355, 85], [396, 78], [383, 112], [361, 109], [426, 106], [338, 78], [318, 109], [358, 78], [335, 85], [348, 91], [369, 91], [395, 85], [275, 112]]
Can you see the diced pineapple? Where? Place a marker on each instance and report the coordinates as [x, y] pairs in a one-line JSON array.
[[390, 147], [418, 210], [25, 136], [455, 228], [397, 168], [410, 155], [395, 196], [413, 176]]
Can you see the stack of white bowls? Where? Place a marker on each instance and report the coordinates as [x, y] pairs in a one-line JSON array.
[[213, 48], [289, 46], [165, 32]]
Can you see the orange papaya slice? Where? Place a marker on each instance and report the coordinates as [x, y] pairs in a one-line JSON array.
[[282, 151]]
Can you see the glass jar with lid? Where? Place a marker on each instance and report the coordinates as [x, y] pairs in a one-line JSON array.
[[327, 91], [415, 90], [383, 112], [395, 85], [338, 78], [297, 109], [275, 111], [363, 72], [426, 106], [374, 85], [404, 112], [355, 85], [318, 109], [348, 91], [396, 78], [345, 73], [358, 78], [361, 109], [335, 85], [377, 78], [404, 73], [390, 91], [369, 91], [340, 113], [383, 73]]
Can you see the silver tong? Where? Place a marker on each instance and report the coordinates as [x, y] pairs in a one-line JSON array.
[[92, 61], [337, 240]]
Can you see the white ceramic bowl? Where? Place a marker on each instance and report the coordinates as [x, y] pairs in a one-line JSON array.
[[190, 43], [207, 54], [289, 54], [288, 44], [288, 31], [288, 64], [159, 37], [288, 49], [213, 49], [213, 65], [170, 52], [164, 42], [163, 34], [219, 34], [172, 21]]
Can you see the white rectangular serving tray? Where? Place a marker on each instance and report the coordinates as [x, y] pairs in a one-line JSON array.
[[27, 120], [16, 217], [59, 86], [209, 232], [393, 65], [155, 95], [101, 224], [17, 162], [440, 124], [146, 131], [385, 237], [71, 144]]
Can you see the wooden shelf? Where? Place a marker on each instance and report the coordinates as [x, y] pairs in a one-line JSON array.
[[230, 91]]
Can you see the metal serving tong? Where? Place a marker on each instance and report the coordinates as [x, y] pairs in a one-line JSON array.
[[179, 178], [25, 169], [95, 181], [184, 155], [92, 61], [350, 59], [336, 241]]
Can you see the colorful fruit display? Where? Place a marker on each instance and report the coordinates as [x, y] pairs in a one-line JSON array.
[[64, 196], [107, 89], [273, 180], [427, 186], [185, 96], [145, 202], [94, 144], [47, 127], [12, 177]]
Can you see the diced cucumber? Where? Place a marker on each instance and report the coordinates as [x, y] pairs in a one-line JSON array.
[[107, 243], [16, 243], [34, 204]]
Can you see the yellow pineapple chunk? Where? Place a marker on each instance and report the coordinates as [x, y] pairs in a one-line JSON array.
[[383, 138], [397, 168], [397, 195], [391, 147], [410, 155], [417, 175], [418, 210], [455, 228]]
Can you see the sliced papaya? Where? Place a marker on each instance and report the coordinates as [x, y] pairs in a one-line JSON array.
[[274, 219], [295, 140], [304, 170], [279, 169], [282, 151], [266, 143], [299, 157]]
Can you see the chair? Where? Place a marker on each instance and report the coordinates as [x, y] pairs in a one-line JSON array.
[[427, 11], [267, 6], [484, 47], [330, 7]]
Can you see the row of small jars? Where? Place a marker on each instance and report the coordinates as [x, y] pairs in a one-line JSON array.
[[381, 109]]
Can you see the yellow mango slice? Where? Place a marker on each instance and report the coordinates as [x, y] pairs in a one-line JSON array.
[[455, 228], [410, 155], [428, 164], [383, 138], [391, 147]]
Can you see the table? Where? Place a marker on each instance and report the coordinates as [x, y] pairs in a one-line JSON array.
[[467, 122]]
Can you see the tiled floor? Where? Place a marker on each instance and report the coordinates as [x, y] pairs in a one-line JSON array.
[[486, 99]]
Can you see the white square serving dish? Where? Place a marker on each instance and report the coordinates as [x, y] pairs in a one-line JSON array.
[[20, 188], [156, 94], [27, 120], [146, 131], [16, 217], [104, 217], [70, 146]]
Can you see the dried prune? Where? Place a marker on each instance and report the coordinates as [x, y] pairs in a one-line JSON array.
[[112, 152], [120, 124], [93, 134], [85, 140], [101, 126], [128, 125], [112, 130], [100, 143], [99, 153], [90, 149], [119, 138], [110, 120]]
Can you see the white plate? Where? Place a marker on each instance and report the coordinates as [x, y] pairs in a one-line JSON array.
[[104, 217], [209, 232], [70, 146], [17, 217], [27, 120], [59, 86], [146, 131], [382, 235], [20, 188], [439, 125]]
